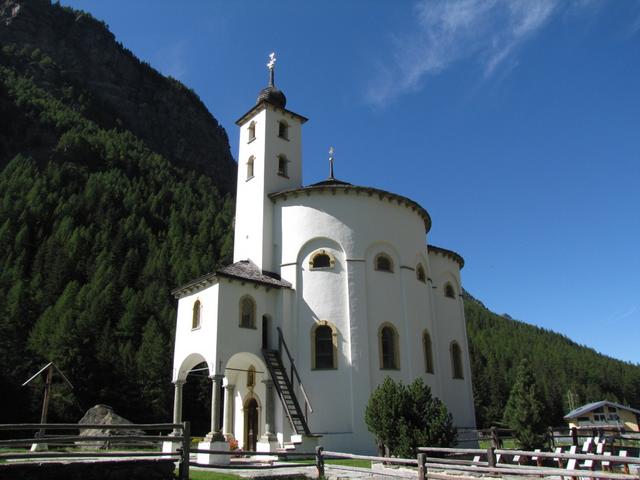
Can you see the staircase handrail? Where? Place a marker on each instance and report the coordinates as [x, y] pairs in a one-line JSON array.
[[294, 370]]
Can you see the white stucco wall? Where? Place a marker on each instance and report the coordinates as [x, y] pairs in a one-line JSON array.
[[254, 211], [192, 346], [457, 393]]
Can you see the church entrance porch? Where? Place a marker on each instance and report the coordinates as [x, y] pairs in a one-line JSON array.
[[249, 403]]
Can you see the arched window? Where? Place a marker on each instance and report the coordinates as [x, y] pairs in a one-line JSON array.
[[456, 360], [252, 131], [389, 355], [420, 275], [250, 167], [449, 291], [383, 263], [283, 167], [247, 312], [195, 319], [251, 376], [324, 346], [428, 352], [283, 129], [321, 259]]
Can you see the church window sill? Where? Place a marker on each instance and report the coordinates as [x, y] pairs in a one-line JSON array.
[[248, 327], [249, 178], [252, 140]]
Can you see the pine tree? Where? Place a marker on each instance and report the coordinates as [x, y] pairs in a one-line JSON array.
[[523, 412], [404, 418]]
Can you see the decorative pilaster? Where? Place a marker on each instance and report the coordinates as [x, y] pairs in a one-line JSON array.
[[268, 407], [268, 441]]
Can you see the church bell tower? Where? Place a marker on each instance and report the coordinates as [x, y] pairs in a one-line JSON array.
[[269, 161]]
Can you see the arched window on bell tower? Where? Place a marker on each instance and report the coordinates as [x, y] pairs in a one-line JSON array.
[[250, 165]]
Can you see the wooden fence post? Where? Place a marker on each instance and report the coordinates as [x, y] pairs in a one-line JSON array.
[[186, 447], [491, 456], [574, 436], [422, 468], [551, 438], [495, 440], [320, 461]]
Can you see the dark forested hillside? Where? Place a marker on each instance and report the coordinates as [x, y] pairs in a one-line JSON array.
[[562, 368], [116, 185], [76, 58]]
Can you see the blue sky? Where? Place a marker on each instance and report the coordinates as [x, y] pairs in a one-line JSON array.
[[516, 124]]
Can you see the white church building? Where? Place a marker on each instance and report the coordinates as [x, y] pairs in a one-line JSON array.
[[332, 289]]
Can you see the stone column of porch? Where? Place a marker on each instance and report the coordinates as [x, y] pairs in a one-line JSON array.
[[216, 382], [177, 405], [227, 426]]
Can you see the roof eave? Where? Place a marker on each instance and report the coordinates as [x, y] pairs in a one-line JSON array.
[[346, 188], [263, 104]]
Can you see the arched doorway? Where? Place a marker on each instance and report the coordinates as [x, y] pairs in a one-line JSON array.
[[250, 424]]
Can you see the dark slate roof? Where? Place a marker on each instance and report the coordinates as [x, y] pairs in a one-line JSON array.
[[333, 186], [244, 270], [329, 181], [272, 95], [249, 271], [592, 406], [447, 253]]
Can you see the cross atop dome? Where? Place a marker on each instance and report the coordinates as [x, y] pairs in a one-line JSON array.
[[271, 94], [272, 61], [332, 151]]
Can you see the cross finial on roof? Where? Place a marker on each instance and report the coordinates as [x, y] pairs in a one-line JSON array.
[[332, 151], [271, 66], [272, 61]]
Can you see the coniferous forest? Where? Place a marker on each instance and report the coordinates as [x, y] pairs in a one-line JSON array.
[[116, 186]]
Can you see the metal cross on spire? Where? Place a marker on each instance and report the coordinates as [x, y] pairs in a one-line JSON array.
[[332, 151], [271, 66]]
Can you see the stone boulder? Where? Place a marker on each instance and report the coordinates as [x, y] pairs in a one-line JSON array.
[[104, 415]]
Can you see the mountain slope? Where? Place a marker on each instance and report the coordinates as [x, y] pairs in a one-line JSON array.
[[109, 197], [563, 368], [75, 57]]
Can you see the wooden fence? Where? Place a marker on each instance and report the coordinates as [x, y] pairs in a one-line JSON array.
[[430, 463], [180, 433], [617, 437]]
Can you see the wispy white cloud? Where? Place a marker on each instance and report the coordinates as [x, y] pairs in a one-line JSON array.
[[621, 316], [447, 31], [172, 60]]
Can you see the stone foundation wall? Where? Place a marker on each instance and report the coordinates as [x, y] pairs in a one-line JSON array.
[[145, 469]]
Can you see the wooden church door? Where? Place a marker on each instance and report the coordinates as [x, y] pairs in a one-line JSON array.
[[250, 424]]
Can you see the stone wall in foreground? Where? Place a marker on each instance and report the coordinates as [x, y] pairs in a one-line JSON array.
[[89, 470]]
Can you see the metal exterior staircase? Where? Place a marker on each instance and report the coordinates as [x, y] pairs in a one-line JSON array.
[[285, 386]]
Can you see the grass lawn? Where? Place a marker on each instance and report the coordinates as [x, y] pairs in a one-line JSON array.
[[202, 475]]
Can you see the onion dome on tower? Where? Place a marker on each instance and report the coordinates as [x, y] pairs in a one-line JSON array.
[[271, 94]]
